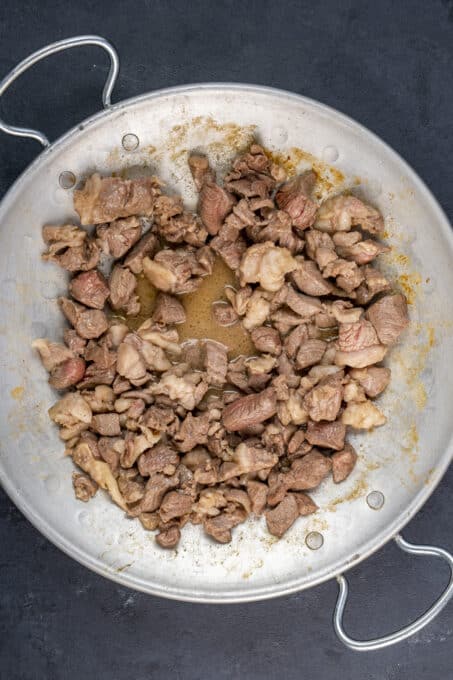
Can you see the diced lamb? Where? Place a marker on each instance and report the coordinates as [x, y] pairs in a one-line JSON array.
[[309, 280], [294, 198], [249, 410], [267, 265], [90, 288], [84, 487], [363, 416], [323, 402], [283, 516], [89, 323], [213, 206], [122, 285], [116, 238], [267, 339], [146, 247], [326, 435], [373, 379], [340, 213], [224, 314], [70, 247], [200, 170], [310, 353], [343, 463], [389, 316], [168, 310]]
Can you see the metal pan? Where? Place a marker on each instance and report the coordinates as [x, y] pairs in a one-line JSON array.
[[400, 464]]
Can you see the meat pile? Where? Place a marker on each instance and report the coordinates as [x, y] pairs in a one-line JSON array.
[[181, 433]]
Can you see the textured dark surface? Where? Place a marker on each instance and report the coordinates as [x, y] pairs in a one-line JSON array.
[[389, 65]]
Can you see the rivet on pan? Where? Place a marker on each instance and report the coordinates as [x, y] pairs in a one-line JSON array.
[[67, 179], [330, 154], [130, 142], [375, 500], [314, 540]]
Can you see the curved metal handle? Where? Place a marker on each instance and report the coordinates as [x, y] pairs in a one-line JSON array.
[[55, 47], [415, 626]]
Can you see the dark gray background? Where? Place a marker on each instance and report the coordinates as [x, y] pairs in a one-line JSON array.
[[386, 63]]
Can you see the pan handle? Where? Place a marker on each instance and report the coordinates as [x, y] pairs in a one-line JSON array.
[[415, 626], [55, 47]]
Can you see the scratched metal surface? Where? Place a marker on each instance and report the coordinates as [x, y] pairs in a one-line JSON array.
[[274, 645]]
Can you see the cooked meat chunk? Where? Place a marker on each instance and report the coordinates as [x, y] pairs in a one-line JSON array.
[[68, 373], [104, 199], [168, 310], [363, 416], [90, 288], [249, 410], [344, 312], [231, 252], [98, 470], [362, 357], [309, 280], [118, 237], [122, 287], [374, 283], [323, 402], [267, 265], [224, 313], [219, 527], [304, 305], [307, 472], [283, 516], [215, 362], [200, 169], [326, 435], [146, 247], [84, 487], [356, 336], [89, 323], [340, 213], [106, 424], [75, 343], [175, 224], [294, 198], [178, 271], [155, 489], [362, 252], [305, 504], [193, 431], [310, 353], [343, 463], [267, 339], [52, 354], [257, 310], [130, 363], [249, 458], [389, 317], [373, 379], [186, 391], [174, 505], [347, 274], [214, 205], [70, 247], [169, 538], [257, 492], [319, 247]]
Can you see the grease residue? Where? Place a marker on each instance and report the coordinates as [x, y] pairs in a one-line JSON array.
[[18, 392]]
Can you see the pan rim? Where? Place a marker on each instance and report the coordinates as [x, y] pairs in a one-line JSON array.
[[252, 593]]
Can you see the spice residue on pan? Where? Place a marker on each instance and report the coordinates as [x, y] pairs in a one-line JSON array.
[[18, 392]]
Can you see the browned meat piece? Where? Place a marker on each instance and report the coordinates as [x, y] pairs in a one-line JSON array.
[[253, 161], [146, 247], [224, 313], [309, 280], [175, 224], [52, 354], [374, 283], [267, 265], [257, 492], [157, 459], [340, 213], [70, 247], [118, 237], [294, 198], [279, 230], [323, 402], [231, 252], [89, 323], [282, 517], [168, 310], [305, 504], [175, 504], [308, 472], [122, 285], [344, 312], [68, 373], [215, 362], [343, 463], [346, 238], [219, 527], [347, 274], [150, 520], [96, 375], [362, 252], [326, 435], [99, 353], [267, 339], [356, 336], [249, 410], [389, 317], [373, 379], [294, 340], [320, 247], [193, 431], [110, 449], [84, 486], [310, 353], [169, 538], [75, 343], [213, 206], [179, 271], [106, 424], [131, 490], [362, 357], [296, 441], [90, 288], [156, 488], [104, 199], [304, 305], [247, 458], [201, 170]]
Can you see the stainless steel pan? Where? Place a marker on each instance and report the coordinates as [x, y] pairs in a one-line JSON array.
[[400, 464]]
